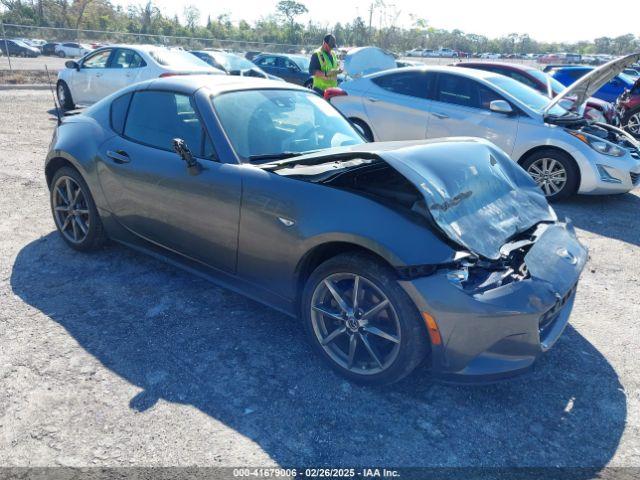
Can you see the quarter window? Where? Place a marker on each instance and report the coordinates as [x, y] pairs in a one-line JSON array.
[[156, 118], [119, 109], [413, 84]]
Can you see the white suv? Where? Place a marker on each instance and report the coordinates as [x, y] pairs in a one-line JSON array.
[[111, 68]]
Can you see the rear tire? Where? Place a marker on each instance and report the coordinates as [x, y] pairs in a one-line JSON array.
[[74, 211], [61, 54], [554, 171], [64, 96], [368, 348]]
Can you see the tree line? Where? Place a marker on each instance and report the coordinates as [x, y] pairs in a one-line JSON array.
[[284, 26]]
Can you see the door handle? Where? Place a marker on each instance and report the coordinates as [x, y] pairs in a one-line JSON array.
[[441, 116], [371, 99], [119, 156]]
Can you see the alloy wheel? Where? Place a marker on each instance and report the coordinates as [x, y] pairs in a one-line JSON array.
[[633, 124], [549, 174], [70, 210], [355, 323]]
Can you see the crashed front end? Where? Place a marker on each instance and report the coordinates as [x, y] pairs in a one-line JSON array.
[[494, 319], [505, 295], [508, 295]]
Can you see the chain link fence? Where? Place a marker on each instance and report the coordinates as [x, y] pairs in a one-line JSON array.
[[99, 37]]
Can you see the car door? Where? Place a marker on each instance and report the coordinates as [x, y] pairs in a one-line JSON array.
[[125, 67], [88, 84], [461, 108], [150, 191], [398, 105]]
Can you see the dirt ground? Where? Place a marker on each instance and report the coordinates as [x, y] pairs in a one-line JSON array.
[[116, 359]]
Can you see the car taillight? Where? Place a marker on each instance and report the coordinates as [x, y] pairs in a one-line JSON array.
[[329, 93]]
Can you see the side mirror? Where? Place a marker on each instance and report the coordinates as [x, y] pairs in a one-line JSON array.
[[181, 148], [501, 106], [72, 64]]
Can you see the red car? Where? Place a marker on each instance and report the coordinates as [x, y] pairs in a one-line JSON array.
[[596, 109], [628, 107]]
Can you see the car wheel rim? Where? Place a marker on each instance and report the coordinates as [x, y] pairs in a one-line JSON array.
[[633, 125], [549, 174], [61, 94], [355, 323], [70, 210]]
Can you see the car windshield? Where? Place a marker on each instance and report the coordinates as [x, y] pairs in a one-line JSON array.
[[176, 58], [20, 43], [232, 62], [556, 86], [527, 95], [274, 123]]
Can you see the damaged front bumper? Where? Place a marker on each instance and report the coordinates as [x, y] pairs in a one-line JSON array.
[[490, 334]]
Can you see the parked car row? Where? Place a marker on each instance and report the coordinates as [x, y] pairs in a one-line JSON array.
[[546, 134]]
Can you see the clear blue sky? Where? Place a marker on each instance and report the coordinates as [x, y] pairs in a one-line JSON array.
[[547, 20]]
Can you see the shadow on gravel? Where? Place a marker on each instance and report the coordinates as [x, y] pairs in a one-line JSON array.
[[182, 340], [610, 215]]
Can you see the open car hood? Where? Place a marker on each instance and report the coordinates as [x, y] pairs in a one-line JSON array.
[[589, 84], [365, 60], [474, 192]]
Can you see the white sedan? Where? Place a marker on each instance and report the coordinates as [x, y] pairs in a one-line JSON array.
[[72, 50], [108, 69]]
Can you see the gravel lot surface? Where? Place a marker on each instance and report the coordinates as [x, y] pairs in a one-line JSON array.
[[115, 358]]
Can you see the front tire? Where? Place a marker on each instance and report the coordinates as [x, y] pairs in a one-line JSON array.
[[64, 96], [554, 172], [74, 211], [373, 337]]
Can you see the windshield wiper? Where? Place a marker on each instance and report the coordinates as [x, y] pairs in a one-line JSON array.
[[275, 156]]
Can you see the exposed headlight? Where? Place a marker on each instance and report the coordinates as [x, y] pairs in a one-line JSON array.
[[598, 144]]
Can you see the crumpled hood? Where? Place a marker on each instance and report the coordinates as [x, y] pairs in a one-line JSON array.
[[590, 83], [475, 193]]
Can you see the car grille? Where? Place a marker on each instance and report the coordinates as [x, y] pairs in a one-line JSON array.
[[635, 178], [548, 319]]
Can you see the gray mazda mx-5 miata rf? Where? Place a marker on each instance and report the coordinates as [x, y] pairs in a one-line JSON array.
[[391, 253]]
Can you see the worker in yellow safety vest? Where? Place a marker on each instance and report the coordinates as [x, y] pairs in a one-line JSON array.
[[324, 65]]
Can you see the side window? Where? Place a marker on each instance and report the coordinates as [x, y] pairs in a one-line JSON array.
[[118, 113], [413, 84], [98, 60], [156, 118], [290, 64], [127, 59], [267, 62], [457, 90], [523, 79], [486, 96]]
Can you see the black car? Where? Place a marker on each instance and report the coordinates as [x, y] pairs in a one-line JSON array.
[[292, 68], [17, 48], [49, 48]]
